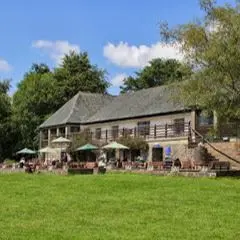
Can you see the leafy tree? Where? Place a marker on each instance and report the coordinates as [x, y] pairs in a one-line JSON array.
[[158, 73], [75, 74], [211, 45], [32, 103], [5, 117]]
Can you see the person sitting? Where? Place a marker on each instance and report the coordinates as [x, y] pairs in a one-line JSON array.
[[177, 163], [22, 162]]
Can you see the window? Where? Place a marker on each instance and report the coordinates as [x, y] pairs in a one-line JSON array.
[[115, 131], [75, 129], [204, 119], [53, 131], [98, 133], [62, 131], [144, 128], [45, 134], [126, 132], [179, 126]]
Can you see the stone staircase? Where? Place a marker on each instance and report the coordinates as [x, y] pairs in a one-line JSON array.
[[221, 151]]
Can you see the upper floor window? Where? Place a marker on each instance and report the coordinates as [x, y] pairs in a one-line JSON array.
[[98, 133], [62, 131], [75, 129], [204, 119], [143, 128], [115, 131], [179, 126]]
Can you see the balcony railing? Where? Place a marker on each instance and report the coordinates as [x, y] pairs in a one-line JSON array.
[[148, 132]]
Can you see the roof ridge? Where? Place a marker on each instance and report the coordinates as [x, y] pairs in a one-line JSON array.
[[75, 98]]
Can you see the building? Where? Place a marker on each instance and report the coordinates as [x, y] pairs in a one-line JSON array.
[[152, 114]]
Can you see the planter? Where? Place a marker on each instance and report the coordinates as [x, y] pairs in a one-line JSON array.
[[80, 171]]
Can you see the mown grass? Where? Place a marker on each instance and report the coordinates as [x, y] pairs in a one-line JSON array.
[[118, 206]]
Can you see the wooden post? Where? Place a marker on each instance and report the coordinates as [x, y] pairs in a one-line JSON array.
[[123, 132], [166, 130], [106, 135], [155, 131], [135, 132], [91, 135]]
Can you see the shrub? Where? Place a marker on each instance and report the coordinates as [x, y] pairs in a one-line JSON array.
[[9, 161], [134, 143]]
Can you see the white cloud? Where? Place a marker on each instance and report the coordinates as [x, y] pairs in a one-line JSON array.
[[4, 65], [126, 55], [56, 49], [117, 80]]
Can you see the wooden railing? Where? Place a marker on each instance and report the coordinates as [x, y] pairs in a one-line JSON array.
[[163, 131]]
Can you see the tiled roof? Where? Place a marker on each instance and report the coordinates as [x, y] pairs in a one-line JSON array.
[[78, 109], [85, 108], [151, 101]]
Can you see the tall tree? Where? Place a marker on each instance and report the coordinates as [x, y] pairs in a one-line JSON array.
[[5, 120], [75, 74], [32, 102], [212, 45], [157, 73]]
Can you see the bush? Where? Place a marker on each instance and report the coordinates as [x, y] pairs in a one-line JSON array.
[[9, 161], [134, 143]]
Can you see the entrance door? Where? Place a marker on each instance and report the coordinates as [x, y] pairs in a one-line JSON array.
[[157, 154]]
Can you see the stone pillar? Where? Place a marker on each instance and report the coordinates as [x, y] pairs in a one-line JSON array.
[[67, 131], [193, 124], [40, 139], [49, 137], [193, 119], [149, 153], [57, 132]]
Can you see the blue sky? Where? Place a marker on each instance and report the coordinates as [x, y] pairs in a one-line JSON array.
[[120, 36]]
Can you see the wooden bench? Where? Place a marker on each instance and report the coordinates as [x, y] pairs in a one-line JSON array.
[[91, 165], [156, 165]]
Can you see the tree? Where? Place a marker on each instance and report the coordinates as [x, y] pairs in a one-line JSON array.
[[5, 117], [159, 72], [75, 74], [32, 103], [211, 45]]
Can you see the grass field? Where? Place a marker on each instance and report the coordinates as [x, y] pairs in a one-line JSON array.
[[118, 206]]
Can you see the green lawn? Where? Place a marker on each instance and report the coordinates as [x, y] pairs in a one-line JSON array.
[[118, 206]]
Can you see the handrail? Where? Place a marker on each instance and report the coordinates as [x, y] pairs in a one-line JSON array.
[[214, 148]]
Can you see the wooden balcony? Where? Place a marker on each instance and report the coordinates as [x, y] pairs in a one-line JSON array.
[[165, 131]]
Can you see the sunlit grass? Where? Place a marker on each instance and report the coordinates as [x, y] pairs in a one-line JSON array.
[[118, 206]]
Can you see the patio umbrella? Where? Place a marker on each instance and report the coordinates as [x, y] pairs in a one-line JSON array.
[[87, 147], [26, 151], [47, 150], [115, 145], [61, 140]]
